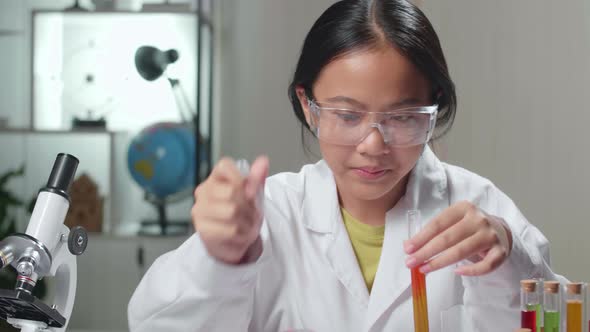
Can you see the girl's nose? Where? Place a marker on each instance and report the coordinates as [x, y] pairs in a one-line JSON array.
[[373, 144]]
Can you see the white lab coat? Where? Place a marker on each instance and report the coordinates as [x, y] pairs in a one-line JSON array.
[[308, 276]]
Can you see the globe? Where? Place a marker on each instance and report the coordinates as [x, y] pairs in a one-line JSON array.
[[161, 159]]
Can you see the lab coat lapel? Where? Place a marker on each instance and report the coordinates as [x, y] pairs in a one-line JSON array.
[[321, 214], [345, 265], [427, 192], [427, 188], [393, 278]]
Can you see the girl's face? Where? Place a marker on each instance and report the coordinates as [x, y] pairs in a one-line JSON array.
[[377, 80]]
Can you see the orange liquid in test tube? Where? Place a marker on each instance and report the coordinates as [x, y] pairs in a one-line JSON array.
[[419, 298], [575, 298], [574, 316]]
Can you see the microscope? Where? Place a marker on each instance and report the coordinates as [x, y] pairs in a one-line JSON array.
[[48, 248]]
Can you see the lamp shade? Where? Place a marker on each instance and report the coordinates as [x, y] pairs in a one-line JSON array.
[[151, 62]]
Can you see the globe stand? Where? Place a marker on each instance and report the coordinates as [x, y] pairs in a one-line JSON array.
[[165, 227]]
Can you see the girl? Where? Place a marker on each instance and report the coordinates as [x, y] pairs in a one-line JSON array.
[[327, 248]]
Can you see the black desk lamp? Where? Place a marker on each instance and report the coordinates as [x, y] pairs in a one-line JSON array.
[[151, 64]]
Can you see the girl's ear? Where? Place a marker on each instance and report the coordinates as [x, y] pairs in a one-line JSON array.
[[304, 102]]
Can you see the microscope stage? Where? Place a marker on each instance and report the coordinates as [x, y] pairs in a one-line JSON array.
[[21, 305]]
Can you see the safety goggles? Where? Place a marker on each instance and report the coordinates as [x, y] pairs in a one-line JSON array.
[[400, 128]]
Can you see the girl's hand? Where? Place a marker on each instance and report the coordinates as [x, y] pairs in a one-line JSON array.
[[226, 214], [460, 232]]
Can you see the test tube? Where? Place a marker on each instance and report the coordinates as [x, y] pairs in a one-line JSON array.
[[551, 306], [574, 302], [539, 308], [529, 304], [243, 166], [266, 206], [419, 298]]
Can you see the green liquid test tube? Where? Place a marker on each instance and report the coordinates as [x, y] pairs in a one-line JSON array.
[[552, 306], [538, 308]]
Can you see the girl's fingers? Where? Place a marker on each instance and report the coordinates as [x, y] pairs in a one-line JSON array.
[[441, 242], [489, 263], [457, 253], [442, 222]]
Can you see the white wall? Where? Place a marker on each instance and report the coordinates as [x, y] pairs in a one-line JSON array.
[[522, 70], [260, 44]]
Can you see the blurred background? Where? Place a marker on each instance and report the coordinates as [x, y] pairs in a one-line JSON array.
[[149, 94]]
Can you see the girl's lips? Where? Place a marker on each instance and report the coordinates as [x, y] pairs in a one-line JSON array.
[[370, 174]]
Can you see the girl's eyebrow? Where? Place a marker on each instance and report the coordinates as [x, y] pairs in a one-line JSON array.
[[348, 100], [404, 102], [351, 101]]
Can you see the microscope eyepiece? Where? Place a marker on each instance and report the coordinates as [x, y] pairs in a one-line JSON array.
[[62, 174]]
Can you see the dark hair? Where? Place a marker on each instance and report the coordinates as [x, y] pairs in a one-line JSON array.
[[353, 25]]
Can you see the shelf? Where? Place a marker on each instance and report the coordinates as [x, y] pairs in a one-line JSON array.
[[9, 130], [149, 9]]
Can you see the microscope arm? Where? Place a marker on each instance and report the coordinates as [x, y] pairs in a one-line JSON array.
[[64, 271]]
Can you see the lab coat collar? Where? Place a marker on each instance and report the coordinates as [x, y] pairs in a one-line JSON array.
[[427, 185], [426, 191], [321, 214], [321, 209]]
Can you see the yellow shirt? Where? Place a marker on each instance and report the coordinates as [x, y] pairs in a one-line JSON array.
[[367, 242]]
